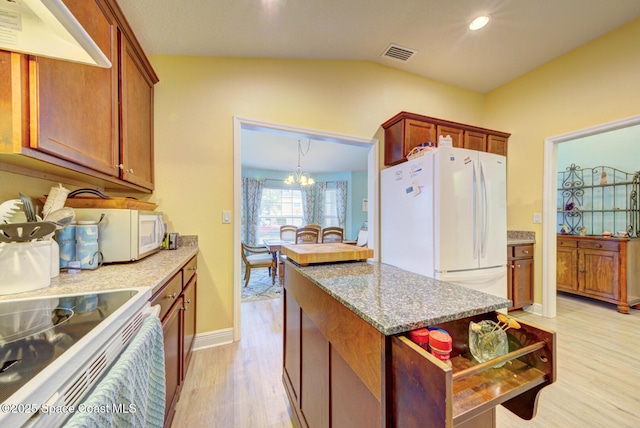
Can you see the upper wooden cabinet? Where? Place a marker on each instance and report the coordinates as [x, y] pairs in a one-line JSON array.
[[90, 124], [405, 131]]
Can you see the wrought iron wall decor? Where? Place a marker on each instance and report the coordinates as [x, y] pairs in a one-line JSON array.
[[602, 199]]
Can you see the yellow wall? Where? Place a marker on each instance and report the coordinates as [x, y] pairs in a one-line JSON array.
[[196, 100], [594, 84]]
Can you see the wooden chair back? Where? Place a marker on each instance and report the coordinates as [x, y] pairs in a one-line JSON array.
[[332, 234], [288, 232], [315, 226], [307, 235]]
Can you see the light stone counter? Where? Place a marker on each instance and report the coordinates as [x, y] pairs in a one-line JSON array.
[[150, 272], [393, 300]]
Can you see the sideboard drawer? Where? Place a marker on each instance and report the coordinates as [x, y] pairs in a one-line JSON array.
[[569, 243], [600, 245]]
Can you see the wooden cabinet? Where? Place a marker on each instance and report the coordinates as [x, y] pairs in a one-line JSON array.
[[520, 275], [177, 300], [474, 140], [406, 130], [340, 371], [406, 134], [606, 269], [88, 124]]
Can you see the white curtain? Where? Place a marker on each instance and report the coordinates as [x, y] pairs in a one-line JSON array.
[[250, 212], [341, 202]]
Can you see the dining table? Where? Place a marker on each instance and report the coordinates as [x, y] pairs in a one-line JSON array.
[[274, 246]]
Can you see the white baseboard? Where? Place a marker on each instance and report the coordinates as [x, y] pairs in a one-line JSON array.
[[535, 309], [213, 338]]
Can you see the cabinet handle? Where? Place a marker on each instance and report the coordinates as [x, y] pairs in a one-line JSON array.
[[526, 251], [171, 296], [598, 246], [130, 170], [517, 265], [120, 166], [512, 266], [193, 268], [188, 301]]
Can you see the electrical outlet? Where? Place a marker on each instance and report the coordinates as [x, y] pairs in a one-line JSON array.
[[537, 218], [226, 216]]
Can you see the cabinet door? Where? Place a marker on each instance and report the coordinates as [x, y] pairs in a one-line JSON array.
[[510, 283], [497, 145], [475, 141], [74, 107], [567, 269], [189, 331], [598, 273], [314, 395], [292, 352], [417, 132], [522, 282], [457, 135], [136, 128], [171, 327]]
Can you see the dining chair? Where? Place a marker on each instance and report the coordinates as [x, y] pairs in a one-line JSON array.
[[315, 226], [307, 235], [255, 257], [288, 232], [332, 234]]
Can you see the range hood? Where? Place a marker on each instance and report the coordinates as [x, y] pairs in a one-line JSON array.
[[47, 28]]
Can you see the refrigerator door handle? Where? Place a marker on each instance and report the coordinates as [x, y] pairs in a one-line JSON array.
[[476, 250], [483, 228]]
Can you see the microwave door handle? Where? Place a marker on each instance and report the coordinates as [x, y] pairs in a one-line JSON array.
[[161, 231]]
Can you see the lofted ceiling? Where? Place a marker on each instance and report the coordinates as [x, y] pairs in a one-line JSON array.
[[522, 34]]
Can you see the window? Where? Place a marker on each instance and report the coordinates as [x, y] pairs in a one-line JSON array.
[[279, 207], [330, 213]]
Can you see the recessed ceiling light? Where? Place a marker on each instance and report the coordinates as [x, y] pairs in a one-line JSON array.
[[479, 22]]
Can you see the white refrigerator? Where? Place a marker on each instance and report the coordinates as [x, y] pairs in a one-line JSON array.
[[444, 215]]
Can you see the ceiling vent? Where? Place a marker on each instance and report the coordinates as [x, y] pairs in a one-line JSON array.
[[398, 53]]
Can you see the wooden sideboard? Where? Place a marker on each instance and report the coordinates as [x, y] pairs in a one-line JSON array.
[[606, 269], [405, 131]]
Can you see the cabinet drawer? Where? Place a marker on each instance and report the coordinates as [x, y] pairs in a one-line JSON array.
[[600, 245], [189, 270], [523, 251], [428, 393], [168, 294], [569, 243]]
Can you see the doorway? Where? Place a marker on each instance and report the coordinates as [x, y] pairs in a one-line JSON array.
[[549, 202], [241, 124]]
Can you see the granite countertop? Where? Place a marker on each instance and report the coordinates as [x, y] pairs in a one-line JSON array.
[[394, 300], [520, 237], [150, 272]]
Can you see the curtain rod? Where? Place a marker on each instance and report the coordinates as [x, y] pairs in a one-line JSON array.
[[275, 179]]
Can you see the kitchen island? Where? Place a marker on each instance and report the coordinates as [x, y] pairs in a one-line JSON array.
[[348, 360]]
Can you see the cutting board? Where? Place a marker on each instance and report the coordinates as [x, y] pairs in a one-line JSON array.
[[305, 254], [92, 202]]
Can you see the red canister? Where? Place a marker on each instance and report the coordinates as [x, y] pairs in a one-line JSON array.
[[420, 337], [441, 344]]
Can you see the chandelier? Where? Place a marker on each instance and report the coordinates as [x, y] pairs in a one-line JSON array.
[[299, 177]]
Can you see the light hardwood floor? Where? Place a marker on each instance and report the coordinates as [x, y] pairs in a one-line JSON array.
[[598, 385]]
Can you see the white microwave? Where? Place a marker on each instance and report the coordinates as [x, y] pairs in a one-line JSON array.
[[125, 235]]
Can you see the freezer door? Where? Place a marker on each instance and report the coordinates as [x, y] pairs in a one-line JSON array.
[[492, 210], [456, 232], [491, 281], [406, 224]]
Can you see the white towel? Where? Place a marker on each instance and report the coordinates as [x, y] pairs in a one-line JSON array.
[[132, 393]]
